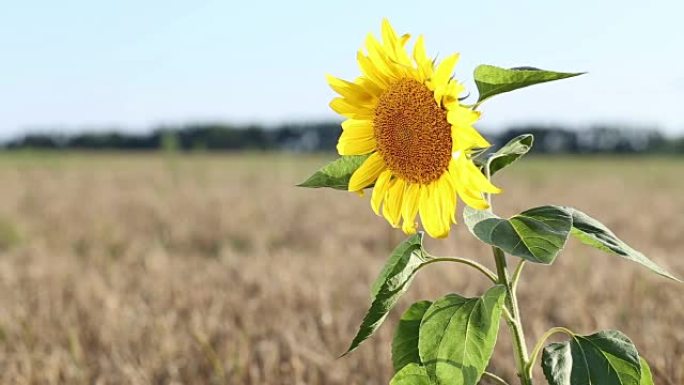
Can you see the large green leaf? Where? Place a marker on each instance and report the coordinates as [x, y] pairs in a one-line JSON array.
[[411, 374], [405, 342], [605, 358], [457, 336], [537, 235], [393, 281], [593, 233], [646, 375], [493, 80], [335, 174]]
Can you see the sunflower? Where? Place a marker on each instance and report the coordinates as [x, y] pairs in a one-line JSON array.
[[405, 112]]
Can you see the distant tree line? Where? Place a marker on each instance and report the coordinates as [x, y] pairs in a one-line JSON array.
[[323, 137]]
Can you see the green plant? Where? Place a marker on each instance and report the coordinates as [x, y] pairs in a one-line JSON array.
[[451, 339]]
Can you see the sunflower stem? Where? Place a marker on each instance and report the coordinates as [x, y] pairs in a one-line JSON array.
[[514, 322], [512, 310], [516, 274], [481, 268], [540, 344], [496, 378]]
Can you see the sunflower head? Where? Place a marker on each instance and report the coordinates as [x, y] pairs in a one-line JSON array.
[[404, 111]]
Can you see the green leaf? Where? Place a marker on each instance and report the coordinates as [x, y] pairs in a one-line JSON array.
[[491, 80], [335, 174], [646, 375], [509, 153], [537, 235], [411, 374], [593, 233], [405, 342], [393, 281], [605, 358], [457, 336]]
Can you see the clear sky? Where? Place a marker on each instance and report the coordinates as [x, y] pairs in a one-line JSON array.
[[73, 64]]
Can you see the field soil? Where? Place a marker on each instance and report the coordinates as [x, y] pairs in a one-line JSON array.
[[215, 269]]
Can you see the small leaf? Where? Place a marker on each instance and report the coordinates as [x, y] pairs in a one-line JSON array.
[[335, 174], [493, 80], [509, 153], [405, 342], [411, 374], [594, 233], [537, 235], [393, 281], [606, 358], [646, 375], [457, 336]]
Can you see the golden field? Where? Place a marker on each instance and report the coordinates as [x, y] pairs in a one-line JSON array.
[[214, 269]]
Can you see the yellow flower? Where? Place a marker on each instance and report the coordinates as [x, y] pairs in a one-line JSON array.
[[406, 114]]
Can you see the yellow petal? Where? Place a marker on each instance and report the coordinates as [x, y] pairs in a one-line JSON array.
[[473, 199], [463, 135], [451, 94], [429, 213], [409, 208], [419, 54], [468, 188], [379, 190], [462, 116], [367, 173], [378, 57], [447, 194], [371, 72], [358, 127], [441, 92], [460, 180], [393, 46], [351, 91], [422, 61], [355, 136], [370, 86], [478, 180], [356, 146], [389, 37], [349, 110], [391, 210], [444, 71], [454, 193], [467, 137], [402, 57]]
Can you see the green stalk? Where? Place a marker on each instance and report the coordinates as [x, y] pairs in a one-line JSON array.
[[513, 319], [514, 323], [540, 344], [481, 268], [496, 378]]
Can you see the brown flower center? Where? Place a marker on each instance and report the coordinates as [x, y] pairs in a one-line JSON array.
[[412, 132]]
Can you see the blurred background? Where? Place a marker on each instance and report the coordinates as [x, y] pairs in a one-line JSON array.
[[150, 232]]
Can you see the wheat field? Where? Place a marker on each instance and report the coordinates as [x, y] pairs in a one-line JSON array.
[[213, 269]]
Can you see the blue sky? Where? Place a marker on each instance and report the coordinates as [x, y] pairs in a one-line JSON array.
[[69, 65]]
